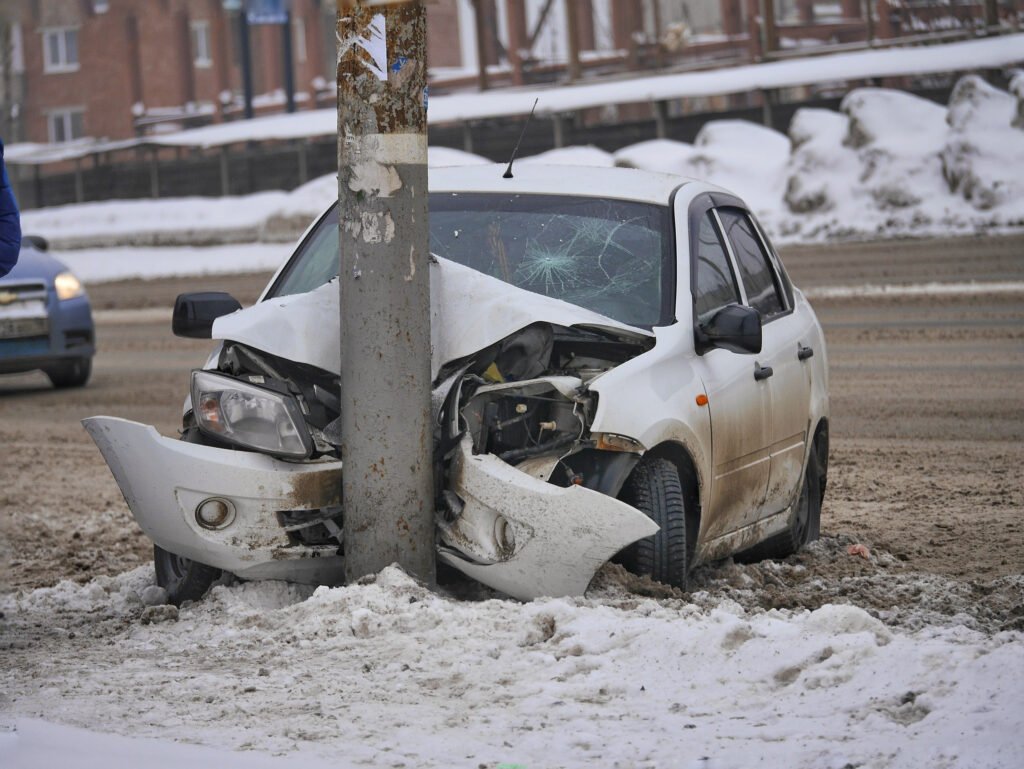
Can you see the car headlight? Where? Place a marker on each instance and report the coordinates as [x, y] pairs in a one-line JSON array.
[[67, 286], [249, 416]]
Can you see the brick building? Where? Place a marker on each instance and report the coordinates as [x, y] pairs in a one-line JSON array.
[[115, 69]]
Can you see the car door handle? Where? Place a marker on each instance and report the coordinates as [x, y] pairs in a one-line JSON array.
[[762, 372], [803, 353]]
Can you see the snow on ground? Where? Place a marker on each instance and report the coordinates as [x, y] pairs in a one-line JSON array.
[[106, 264], [153, 222], [744, 157], [888, 164], [981, 160], [387, 673], [588, 155], [269, 216], [438, 157]]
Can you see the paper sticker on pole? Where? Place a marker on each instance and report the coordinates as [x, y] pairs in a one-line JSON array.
[[370, 45]]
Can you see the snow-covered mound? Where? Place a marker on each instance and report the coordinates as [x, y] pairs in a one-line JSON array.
[[744, 157], [387, 673], [184, 221], [195, 221], [588, 155], [886, 164], [662, 155], [981, 160], [892, 164], [898, 138], [439, 157]]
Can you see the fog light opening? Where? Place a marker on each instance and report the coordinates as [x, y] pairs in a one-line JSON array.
[[215, 513], [504, 535]]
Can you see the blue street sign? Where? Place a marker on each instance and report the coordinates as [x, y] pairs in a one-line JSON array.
[[267, 11]]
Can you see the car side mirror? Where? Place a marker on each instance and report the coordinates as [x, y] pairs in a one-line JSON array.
[[735, 327], [38, 242], [195, 313]]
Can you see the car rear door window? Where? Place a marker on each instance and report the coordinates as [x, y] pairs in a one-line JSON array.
[[716, 284], [756, 271]]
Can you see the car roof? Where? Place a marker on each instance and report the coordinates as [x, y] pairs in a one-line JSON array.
[[543, 179]]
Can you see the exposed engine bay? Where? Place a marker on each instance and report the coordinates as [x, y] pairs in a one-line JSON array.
[[523, 400]]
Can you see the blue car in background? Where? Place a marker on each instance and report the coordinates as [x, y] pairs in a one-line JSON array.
[[45, 319]]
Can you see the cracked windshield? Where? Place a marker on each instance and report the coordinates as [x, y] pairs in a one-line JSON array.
[[608, 256], [604, 255]]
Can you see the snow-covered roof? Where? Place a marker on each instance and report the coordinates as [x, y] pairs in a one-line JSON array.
[[454, 108]]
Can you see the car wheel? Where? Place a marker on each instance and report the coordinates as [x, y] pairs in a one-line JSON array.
[[182, 578], [655, 489], [71, 373]]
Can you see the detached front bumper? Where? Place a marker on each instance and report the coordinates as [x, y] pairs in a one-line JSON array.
[[513, 532], [165, 480], [529, 538]]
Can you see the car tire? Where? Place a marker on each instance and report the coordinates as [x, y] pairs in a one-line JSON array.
[[70, 373], [655, 489], [182, 578]]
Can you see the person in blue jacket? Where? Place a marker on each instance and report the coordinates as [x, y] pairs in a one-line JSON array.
[[10, 221]]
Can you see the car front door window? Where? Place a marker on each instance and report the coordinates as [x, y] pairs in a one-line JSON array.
[[756, 272], [716, 283]]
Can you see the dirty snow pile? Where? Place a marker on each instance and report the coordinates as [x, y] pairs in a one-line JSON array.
[[388, 674], [274, 216], [887, 164]]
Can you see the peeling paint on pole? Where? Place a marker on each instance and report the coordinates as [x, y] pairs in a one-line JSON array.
[[387, 485]]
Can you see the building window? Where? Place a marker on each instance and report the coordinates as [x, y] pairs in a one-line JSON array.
[[100, 6], [299, 39], [17, 52], [60, 49], [65, 125], [201, 55]]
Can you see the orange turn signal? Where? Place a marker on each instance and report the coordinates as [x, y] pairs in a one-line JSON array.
[[702, 400]]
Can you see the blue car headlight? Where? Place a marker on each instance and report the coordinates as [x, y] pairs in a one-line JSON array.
[[249, 416]]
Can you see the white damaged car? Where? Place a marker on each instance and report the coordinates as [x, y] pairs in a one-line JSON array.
[[622, 370]]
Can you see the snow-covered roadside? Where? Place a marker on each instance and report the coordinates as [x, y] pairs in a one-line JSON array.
[[100, 265], [196, 221], [386, 673], [887, 164]]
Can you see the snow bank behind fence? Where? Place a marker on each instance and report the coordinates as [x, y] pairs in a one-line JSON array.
[[887, 164]]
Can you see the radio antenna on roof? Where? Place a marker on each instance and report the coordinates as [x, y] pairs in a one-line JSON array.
[[515, 150]]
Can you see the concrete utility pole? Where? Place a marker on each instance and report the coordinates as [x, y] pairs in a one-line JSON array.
[[387, 486]]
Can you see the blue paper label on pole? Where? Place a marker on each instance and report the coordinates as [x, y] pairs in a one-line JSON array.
[[267, 11]]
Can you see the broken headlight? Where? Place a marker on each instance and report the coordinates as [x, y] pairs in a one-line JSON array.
[[249, 416]]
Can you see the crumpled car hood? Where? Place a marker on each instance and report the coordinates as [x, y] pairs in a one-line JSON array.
[[470, 311]]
